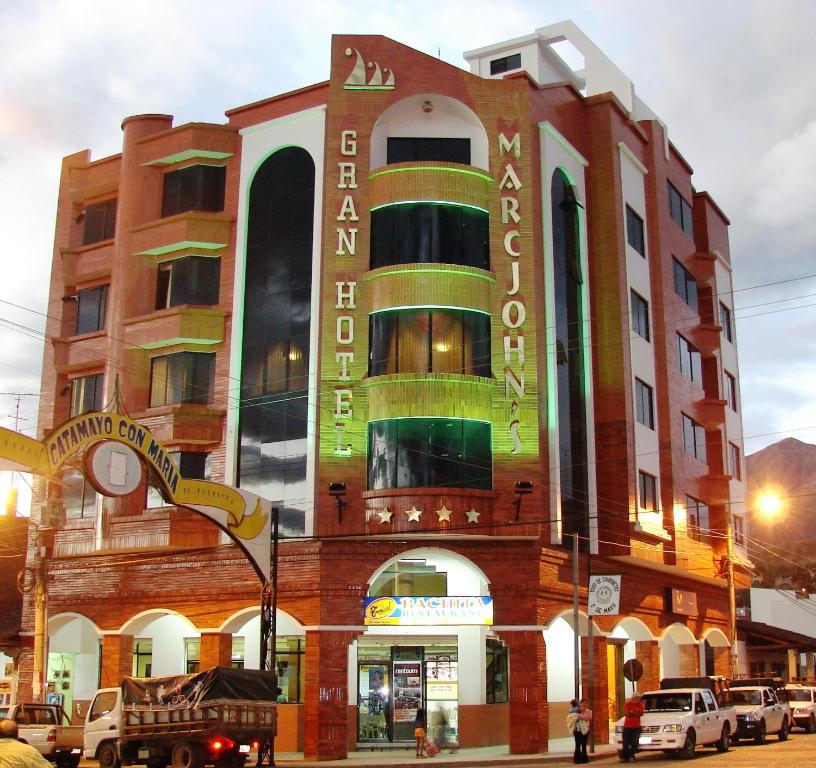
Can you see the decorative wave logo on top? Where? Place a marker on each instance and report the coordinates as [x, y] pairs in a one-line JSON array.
[[382, 79]]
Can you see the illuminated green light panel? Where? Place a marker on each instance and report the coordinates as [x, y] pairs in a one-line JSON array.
[[464, 171], [472, 381], [437, 271], [431, 202], [429, 306]]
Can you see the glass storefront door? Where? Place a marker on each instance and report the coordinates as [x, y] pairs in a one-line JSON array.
[[374, 702]]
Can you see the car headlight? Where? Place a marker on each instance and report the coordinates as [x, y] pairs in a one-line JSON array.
[[749, 716], [618, 729], [673, 728]]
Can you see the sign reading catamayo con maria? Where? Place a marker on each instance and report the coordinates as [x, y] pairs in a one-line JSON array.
[[428, 611]]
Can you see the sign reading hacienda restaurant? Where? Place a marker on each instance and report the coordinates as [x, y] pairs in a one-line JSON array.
[[428, 611]]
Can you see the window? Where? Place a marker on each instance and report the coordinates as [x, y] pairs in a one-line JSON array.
[[505, 64], [191, 280], [734, 461], [423, 340], [739, 530], [694, 443], [142, 658], [496, 672], [685, 286], [730, 386], [192, 654], [78, 495], [185, 377], [416, 453], [697, 517], [429, 233], [91, 309], [644, 402], [238, 656], [647, 492], [640, 316], [290, 668], [725, 322], [86, 394], [102, 704], [690, 360], [634, 231], [195, 188], [100, 222], [680, 210], [405, 149]]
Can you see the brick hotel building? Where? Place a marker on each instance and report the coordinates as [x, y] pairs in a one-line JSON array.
[[446, 321]]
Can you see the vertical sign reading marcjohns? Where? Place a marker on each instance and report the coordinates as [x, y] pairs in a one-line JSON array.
[[514, 311], [346, 285]]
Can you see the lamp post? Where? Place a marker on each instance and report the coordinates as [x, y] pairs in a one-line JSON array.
[[733, 661]]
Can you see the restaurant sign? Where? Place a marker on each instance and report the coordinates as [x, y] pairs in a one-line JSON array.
[[428, 611]]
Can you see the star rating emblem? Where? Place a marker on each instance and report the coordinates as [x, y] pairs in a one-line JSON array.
[[472, 515], [384, 515], [444, 514], [413, 514]]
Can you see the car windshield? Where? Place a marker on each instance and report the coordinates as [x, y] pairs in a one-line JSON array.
[[799, 694], [746, 697], [667, 702]]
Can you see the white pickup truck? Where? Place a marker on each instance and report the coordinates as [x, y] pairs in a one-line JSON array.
[[678, 720], [802, 699], [760, 711], [47, 728]]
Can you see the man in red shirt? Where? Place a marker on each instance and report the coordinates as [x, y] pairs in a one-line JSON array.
[[632, 711]]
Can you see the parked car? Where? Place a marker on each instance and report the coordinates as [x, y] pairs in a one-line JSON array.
[[762, 708], [48, 728], [802, 698], [678, 720]]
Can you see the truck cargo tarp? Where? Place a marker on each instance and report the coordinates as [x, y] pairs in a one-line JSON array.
[[216, 684]]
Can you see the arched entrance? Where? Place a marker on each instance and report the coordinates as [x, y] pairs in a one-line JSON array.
[[72, 670], [679, 652]]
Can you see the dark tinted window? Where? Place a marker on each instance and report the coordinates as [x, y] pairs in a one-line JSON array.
[[185, 377], [634, 231], [422, 340], [685, 286], [91, 309], [725, 322], [505, 64], [403, 149], [698, 528], [680, 211], [644, 404], [640, 315], [413, 233], [195, 188], [194, 465], [86, 394], [191, 280], [647, 492], [100, 222], [690, 360], [415, 453], [694, 443]]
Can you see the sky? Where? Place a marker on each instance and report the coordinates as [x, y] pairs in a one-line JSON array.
[[731, 79]]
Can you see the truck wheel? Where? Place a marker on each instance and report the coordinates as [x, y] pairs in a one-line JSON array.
[[108, 756], [783, 731], [760, 734], [725, 739], [810, 725], [187, 754], [687, 751]]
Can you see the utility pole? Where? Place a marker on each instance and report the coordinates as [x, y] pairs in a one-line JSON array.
[[40, 619], [732, 594], [576, 619]]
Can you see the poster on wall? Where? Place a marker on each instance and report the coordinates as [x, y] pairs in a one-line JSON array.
[[407, 691]]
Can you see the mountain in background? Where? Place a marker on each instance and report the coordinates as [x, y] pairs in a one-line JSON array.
[[789, 467]]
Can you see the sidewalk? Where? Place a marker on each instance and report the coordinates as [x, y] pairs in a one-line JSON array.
[[560, 752]]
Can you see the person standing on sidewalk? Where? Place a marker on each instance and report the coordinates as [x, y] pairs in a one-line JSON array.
[[632, 712], [580, 731], [421, 733]]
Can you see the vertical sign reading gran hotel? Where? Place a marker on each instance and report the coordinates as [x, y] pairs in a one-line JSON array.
[[346, 285]]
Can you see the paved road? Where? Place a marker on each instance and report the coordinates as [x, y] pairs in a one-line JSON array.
[[798, 750]]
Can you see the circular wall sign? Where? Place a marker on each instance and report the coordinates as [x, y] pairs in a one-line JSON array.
[[113, 468]]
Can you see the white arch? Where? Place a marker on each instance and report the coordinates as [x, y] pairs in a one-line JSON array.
[[680, 634], [60, 620], [136, 624], [633, 629], [447, 118], [436, 554], [583, 622], [286, 623], [716, 638]]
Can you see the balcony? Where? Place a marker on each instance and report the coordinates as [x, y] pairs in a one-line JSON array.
[[176, 325], [194, 141], [88, 262], [711, 412], [185, 423], [83, 352], [436, 181], [184, 231]]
